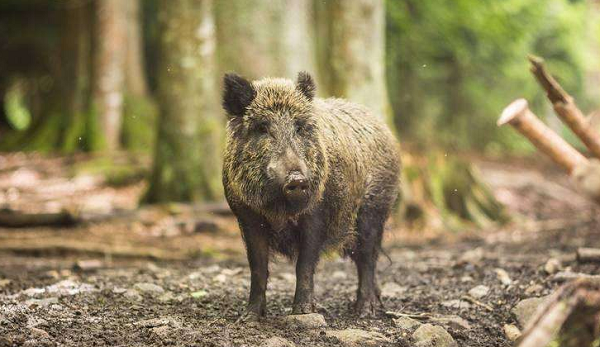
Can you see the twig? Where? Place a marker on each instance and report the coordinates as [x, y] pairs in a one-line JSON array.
[[476, 302]]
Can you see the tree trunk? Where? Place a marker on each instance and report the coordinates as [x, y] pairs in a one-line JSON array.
[[355, 62], [266, 38], [109, 64], [187, 158], [135, 74]]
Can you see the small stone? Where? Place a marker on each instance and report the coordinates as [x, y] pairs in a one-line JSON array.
[[512, 332], [153, 322], [119, 290], [552, 266], [525, 309], [162, 331], [39, 333], [456, 304], [306, 321], [503, 277], [466, 279], [277, 341], [148, 288], [288, 277], [339, 275], [132, 295], [472, 256], [41, 302], [454, 322], [479, 292], [392, 289], [534, 289], [406, 323], [166, 297], [4, 282], [358, 338], [199, 294], [220, 278], [88, 265], [433, 336]]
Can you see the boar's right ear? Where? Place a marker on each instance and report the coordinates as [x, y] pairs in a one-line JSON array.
[[238, 93]]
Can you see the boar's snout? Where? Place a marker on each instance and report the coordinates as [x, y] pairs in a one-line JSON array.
[[296, 186]]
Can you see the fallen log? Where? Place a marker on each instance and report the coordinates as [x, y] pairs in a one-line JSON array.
[[570, 317], [565, 107], [15, 219], [585, 173]]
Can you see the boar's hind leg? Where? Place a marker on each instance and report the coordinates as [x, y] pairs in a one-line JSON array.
[[370, 225], [311, 241], [257, 249]]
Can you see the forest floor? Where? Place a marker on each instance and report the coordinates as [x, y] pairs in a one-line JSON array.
[[177, 275]]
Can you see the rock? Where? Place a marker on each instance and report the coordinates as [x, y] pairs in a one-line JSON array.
[[392, 289], [151, 323], [429, 335], [161, 331], [406, 323], [552, 266], [33, 291], [358, 338], [277, 341], [454, 322], [41, 302], [220, 278], [39, 333], [534, 289], [511, 331], [456, 304], [288, 277], [88, 265], [466, 279], [119, 290], [339, 275], [525, 309], [132, 295], [479, 292], [148, 288], [306, 321], [4, 282], [166, 297], [472, 256], [503, 276], [70, 287]]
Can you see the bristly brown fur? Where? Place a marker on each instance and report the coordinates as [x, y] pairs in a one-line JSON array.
[[352, 157]]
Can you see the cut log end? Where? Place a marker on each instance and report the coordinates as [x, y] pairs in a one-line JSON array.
[[512, 111]]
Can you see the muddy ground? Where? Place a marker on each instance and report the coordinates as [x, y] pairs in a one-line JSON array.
[[150, 279]]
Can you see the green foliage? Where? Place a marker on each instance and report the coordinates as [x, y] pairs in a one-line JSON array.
[[139, 119], [454, 65], [17, 113]]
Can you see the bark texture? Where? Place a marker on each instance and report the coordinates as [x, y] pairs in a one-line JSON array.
[[187, 158], [109, 63], [266, 38], [353, 50]]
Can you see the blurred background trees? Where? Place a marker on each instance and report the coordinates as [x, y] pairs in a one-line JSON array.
[[144, 75]]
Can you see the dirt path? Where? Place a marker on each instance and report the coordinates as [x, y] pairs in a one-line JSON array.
[[46, 299]]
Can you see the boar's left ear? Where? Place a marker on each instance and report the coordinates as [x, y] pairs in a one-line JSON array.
[[238, 93], [306, 85]]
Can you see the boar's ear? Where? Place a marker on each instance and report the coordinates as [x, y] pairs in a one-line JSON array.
[[238, 93], [306, 85]]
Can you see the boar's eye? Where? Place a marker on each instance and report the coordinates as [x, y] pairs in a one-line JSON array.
[[261, 128], [299, 126]]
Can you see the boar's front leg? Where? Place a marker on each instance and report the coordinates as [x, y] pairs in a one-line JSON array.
[[311, 242], [257, 249]]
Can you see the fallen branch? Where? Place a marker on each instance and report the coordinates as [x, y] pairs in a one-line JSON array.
[[15, 219], [571, 316], [588, 254], [585, 173], [565, 107]]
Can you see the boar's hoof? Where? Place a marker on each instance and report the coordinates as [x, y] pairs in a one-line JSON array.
[[250, 315], [304, 308], [368, 306]]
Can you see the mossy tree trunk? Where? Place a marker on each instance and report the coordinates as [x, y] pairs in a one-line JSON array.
[[187, 153], [139, 109], [109, 64], [266, 38], [353, 48]]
